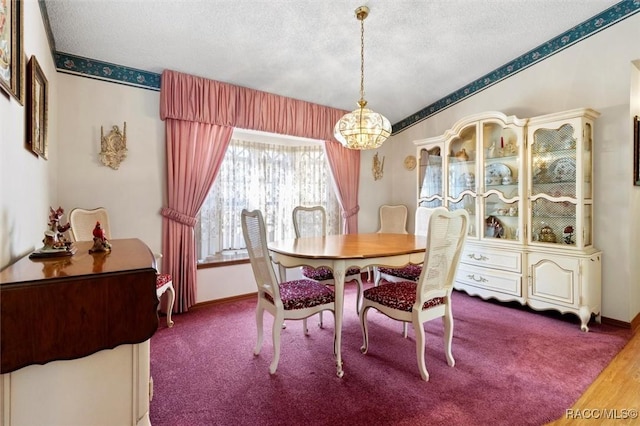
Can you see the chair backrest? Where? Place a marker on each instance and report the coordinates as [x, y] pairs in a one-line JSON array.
[[393, 219], [445, 240], [423, 214], [255, 237], [309, 221], [84, 220]]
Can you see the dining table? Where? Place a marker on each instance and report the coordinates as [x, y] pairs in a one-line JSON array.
[[344, 251]]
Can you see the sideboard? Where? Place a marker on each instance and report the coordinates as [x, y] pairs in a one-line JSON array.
[[74, 337]]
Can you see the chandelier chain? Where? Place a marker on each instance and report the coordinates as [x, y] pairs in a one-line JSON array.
[[362, 59]]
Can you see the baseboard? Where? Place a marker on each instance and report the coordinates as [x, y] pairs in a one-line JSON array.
[[617, 323], [635, 323], [225, 300]]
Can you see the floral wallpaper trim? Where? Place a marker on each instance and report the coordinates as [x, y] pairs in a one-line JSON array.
[[72, 64]]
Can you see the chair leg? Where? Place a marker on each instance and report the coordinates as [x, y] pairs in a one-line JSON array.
[[377, 276], [365, 331], [259, 321], [419, 330], [277, 327], [320, 324], [405, 329], [448, 335], [359, 297], [172, 298], [305, 329]]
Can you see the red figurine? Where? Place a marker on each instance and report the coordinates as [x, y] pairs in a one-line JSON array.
[[98, 232], [100, 242]]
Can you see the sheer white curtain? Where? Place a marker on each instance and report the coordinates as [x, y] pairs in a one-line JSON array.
[[271, 177]]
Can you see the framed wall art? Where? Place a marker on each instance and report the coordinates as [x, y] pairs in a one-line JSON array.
[[12, 48], [636, 151], [37, 100]]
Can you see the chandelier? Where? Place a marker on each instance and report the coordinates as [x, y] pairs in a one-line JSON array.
[[362, 128]]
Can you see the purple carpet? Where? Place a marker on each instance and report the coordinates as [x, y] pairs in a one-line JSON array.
[[513, 366]]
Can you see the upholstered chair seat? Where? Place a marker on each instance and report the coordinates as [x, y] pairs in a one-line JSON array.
[[409, 272], [400, 296], [302, 294]]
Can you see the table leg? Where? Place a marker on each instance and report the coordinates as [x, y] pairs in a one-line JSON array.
[[338, 276]]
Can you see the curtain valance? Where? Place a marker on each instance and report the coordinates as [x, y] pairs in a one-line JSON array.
[[191, 98]]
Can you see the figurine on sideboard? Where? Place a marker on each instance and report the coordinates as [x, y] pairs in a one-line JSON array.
[[54, 242], [100, 242]]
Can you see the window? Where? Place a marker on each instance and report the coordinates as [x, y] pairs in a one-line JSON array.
[[273, 175]]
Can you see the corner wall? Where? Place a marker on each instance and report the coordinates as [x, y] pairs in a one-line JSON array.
[[28, 184]]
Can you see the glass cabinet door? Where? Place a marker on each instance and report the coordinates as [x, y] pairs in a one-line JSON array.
[[554, 184], [430, 185], [462, 163], [501, 181]]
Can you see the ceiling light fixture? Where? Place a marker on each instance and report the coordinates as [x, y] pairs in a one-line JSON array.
[[362, 128]]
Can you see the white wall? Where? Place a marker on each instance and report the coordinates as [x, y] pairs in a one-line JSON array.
[[28, 184], [133, 194], [634, 224], [595, 73]]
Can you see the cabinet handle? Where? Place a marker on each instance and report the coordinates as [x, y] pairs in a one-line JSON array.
[[479, 257], [480, 280]]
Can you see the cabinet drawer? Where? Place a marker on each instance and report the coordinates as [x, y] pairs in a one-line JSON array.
[[490, 258], [490, 279]]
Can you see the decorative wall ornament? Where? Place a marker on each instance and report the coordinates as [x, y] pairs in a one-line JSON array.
[[378, 167], [114, 146]]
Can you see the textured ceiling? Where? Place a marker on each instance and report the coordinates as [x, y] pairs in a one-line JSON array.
[[416, 52]]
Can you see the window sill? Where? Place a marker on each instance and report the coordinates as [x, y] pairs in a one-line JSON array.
[[220, 261]]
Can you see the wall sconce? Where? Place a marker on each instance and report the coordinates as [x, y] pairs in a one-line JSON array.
[[378, 167], [113, 146]]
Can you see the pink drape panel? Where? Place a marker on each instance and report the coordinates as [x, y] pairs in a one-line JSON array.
[[185, 102], [345, 168], [194, 154]]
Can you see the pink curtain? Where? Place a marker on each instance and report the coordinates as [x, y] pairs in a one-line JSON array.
[[200, 116], [194, 154], [345, 168]]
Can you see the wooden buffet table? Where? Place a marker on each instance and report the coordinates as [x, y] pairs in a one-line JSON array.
[[341, 252], [98, 312]]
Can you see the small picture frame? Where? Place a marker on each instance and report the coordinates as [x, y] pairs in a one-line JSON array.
[[636, 151], [37, 106], [12, 49]]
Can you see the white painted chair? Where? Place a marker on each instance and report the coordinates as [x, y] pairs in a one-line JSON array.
[[289, 300], [430, 297], [312, 222], [82, 223], [393, 220], [409, 272]]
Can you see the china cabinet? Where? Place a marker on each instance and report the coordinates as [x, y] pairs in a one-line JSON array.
[[526, 184]]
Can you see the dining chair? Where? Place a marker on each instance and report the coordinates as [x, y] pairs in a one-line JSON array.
[[288, 300], [83, 221], [409, 272], [312, 222], [430, 297], [393, 220]]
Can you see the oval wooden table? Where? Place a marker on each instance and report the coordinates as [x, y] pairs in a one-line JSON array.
[[341, 252]]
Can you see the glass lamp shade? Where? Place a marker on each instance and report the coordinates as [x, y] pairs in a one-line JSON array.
[[362, 129]]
